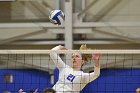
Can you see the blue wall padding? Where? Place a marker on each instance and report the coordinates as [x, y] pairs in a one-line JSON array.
[[115, 81], [28, 79], [110, 81]]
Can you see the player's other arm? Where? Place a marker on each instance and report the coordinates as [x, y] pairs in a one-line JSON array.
[[92, 76], [55, 57], [96, 58]]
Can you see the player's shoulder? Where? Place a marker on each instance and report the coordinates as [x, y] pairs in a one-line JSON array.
[[66, 68]]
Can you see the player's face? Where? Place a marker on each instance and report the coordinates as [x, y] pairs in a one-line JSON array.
[[77, 60]]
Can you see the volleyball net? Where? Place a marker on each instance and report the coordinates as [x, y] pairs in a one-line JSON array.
[[32, 69]]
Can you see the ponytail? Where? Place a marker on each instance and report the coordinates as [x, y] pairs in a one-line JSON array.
[[85, 56]]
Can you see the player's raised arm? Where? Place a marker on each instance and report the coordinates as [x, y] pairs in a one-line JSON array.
[[55, 57], [92, 76], [96, 58]]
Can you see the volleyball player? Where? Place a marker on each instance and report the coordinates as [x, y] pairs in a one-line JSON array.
[[72, 79]]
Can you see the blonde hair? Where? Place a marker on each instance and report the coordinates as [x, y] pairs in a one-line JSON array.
[[85, 56]]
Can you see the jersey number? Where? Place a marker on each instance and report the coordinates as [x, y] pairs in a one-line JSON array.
[[71, 77]]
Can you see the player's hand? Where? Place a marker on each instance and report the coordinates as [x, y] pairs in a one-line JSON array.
[[96, 56], [36, 91], [21, 91], [62, 47]]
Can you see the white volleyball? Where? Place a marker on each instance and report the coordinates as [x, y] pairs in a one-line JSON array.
[[57, 17]]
